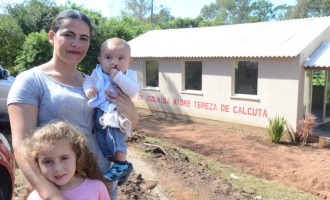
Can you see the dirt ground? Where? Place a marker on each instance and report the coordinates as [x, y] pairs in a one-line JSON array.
[[161, 177], [305, 167]]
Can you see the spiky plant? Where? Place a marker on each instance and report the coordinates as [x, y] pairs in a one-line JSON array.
[[276, 128], [306, 127]]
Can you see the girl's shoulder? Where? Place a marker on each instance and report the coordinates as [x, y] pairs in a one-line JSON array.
[[93, 182], [89, 189], [89, 184]]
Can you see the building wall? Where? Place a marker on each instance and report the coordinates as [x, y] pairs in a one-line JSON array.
[[278, 91]]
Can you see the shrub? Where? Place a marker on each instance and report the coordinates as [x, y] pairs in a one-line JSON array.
[[36, 50], [11, 39], [306, 127], [276, 128]]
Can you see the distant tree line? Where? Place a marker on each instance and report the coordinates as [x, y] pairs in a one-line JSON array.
[[24, 26]]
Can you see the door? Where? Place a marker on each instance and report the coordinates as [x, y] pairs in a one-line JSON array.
[[318, 91], [326, 110]]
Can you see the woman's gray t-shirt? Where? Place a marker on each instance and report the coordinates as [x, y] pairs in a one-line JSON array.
[[57, 102]]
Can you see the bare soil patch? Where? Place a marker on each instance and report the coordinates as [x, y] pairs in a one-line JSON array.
[[249, 149], [168, 174]]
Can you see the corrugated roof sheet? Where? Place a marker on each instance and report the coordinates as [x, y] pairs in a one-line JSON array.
[[320, 58], [266, 39]]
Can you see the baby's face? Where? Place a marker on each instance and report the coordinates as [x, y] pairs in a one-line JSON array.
[[114, 56]]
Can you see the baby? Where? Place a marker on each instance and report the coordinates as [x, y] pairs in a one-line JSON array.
[[112, 127]]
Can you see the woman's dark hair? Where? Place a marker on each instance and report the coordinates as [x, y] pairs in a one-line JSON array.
[[69, 14]]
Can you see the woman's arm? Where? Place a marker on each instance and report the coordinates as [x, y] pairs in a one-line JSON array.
[[23, 120], [125, 105]]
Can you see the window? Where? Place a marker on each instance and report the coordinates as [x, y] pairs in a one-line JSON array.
[[193, 75], [152, 69], [246, 77]]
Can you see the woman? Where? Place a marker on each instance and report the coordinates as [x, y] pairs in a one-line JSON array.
[[53, 92]]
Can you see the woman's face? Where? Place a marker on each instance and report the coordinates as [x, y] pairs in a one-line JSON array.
[[70, 42]]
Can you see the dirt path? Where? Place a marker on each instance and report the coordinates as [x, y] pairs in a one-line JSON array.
[[249, 149], [158, 180]]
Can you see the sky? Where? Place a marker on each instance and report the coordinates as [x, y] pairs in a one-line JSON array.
[[178, 8]]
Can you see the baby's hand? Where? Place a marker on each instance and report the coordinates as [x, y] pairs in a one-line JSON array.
[[113, 72], [91, 92]]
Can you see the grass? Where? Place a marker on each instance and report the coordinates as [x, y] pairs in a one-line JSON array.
[[261, 188]]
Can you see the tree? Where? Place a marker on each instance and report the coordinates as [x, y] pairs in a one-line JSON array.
[[261, 10], [138, 8], [162, 17], [311, 8], [209, 12], [35, 50], [283, 12], [227, 11], [11, 39], [245, 11], [183, 23], [33, 15]]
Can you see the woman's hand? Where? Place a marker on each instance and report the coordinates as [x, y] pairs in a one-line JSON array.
[[124, 104]]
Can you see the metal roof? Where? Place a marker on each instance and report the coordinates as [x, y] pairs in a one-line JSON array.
[[265, 39], [320, 58]]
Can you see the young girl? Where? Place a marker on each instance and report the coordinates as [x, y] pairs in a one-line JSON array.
[[63, 157]]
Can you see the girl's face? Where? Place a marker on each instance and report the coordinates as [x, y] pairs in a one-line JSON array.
[[58, 164], [71, 41]]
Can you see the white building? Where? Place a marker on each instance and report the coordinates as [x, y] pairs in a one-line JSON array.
[[242, 73]]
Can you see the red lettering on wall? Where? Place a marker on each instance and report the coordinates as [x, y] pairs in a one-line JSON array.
[[250, 111], [241, 110], [224, 108], [181, 102], [162, 100], [150, 98], [154, 99], [205, 105]]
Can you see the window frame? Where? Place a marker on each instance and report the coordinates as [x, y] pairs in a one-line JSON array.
[[245, 95], [184, 75], [149, 87]]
